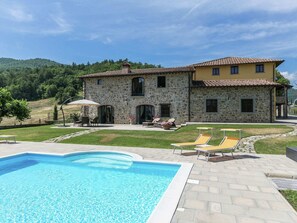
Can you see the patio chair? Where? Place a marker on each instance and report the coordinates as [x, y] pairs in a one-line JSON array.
[[95, 122], [85, 120], [227, 145], [202, 139]]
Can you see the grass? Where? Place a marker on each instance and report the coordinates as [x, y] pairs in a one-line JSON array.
[[37, 134], [275, 145], [153, 139], [291, 197], [42, 109]]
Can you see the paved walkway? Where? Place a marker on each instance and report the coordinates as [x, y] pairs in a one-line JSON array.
[[226, 190]]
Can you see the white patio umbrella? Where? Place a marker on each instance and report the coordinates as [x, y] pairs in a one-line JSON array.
[[84, 102]]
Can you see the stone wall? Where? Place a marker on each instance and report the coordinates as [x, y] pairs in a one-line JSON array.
[[229, 104], [117, 91]]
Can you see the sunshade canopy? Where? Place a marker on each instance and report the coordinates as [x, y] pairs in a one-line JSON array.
[[84, 102]]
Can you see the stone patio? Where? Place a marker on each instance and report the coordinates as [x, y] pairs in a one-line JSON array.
[[224, 190]]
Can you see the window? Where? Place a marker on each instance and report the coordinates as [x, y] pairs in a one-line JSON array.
[[137, 86], [161, 81], [234, 70], [215, 71], [165, 110], [99, 82], [247, 105], [259, 68], [211, 105]]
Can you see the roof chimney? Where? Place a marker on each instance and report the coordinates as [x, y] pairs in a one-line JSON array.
[[126, 68]]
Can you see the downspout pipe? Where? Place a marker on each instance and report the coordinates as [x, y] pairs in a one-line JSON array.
[[189, 95], [271, 105]]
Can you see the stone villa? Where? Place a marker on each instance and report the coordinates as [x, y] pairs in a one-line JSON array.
[[230, 89]]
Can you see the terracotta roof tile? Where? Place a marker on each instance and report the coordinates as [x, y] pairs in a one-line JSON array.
[[234, 83], [236, 60], [141, 71]]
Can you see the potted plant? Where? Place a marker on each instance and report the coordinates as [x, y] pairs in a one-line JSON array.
[[131, 119]]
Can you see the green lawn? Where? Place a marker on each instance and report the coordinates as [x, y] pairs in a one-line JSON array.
[[275, 145], [153, 139], [37, 134], [291, 196]]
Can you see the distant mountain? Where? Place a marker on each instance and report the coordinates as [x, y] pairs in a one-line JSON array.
[[8, 63], [292, 95]]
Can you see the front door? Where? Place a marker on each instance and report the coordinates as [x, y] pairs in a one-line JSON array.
[[106, 114], [144, 113]]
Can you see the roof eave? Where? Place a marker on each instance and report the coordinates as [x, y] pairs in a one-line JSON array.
[[278, 62], [134, 74]]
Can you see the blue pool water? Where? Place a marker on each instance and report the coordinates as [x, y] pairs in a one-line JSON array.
[[92, 187]]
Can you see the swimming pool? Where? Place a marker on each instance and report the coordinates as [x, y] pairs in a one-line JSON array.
[[84, 187]]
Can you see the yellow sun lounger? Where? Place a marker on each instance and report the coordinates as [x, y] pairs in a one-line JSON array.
[[202, 139], [228, 144]]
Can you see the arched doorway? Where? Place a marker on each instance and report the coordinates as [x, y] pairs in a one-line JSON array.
[[144, 113], [106, 114]]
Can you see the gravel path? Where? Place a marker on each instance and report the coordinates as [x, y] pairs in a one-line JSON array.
[[71, 135], [247, 144]]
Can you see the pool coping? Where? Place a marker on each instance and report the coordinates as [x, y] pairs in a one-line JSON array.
[[167, 205], [165, 208]]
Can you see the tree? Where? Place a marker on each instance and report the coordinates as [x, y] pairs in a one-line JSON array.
[[10, 107], [281, 79], [55, 115], [20, 109]]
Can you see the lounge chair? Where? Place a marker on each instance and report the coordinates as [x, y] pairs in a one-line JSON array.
[[202, 139], [151, 123], [228, 144]]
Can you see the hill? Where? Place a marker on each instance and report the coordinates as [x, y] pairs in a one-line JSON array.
[[292, 95], [41, 111], [59, 81], [8, 63]]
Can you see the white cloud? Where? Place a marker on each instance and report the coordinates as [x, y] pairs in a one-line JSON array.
[[219, 6], [61, 25], [107, 40], [15, 12], [291, 76], [19, 14], [266, 5]]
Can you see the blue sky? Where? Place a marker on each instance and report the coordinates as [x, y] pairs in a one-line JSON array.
[[166, 32]]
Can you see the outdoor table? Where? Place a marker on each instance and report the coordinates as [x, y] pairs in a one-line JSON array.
[[7, 137], [232, 130]]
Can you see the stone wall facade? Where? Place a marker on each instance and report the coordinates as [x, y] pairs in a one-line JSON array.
[[117, 92], [229, 104]]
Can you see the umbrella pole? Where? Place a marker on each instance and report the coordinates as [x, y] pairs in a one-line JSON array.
[[64, 124]]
